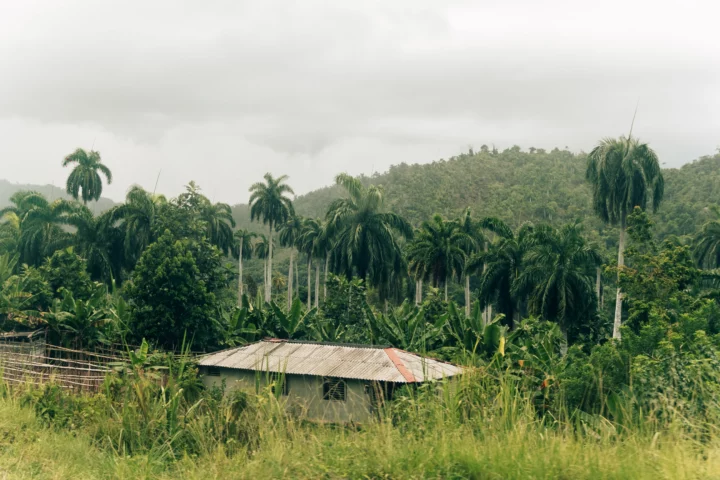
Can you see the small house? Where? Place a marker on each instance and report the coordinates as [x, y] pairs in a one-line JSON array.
[[327, 382]]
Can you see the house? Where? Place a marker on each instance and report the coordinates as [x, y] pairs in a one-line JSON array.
[[327, 382]]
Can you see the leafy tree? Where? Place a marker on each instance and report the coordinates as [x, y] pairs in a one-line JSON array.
[[84, 180], [139, 215], [65, 270], [623, 174], [269, 204], [365, 236], [172, 293]]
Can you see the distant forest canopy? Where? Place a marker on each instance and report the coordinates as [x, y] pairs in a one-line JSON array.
[[521, 186], [514, 185]]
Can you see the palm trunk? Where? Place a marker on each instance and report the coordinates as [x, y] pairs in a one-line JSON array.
[[290, 280], [446, 288], [327, 267], [597, 286], [417, 290], [309, 285], [618, 296], [265, 280], [467, 296], [297, 277], [270, 255], [317, 285], [487, 312], [240, 275], [420, 291]]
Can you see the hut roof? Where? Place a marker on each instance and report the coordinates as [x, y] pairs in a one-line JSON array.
[[362, 362]]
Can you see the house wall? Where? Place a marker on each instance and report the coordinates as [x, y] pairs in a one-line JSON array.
[[305, 394]]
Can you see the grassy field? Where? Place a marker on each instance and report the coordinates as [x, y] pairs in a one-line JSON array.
[[431, 445]]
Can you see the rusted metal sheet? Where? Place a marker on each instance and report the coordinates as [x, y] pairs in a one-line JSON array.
[[358, 362]]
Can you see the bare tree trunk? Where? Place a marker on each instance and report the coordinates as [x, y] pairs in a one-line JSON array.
[[417, 291], [597, 286], [268, 286], [619, 296], [446, 288], [309, 285], [420, 291], [327, 267], [240, 274], [290, 280], [467, 296], [317, 285]]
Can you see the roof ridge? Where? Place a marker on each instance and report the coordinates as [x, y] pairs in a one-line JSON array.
[[404, 371]]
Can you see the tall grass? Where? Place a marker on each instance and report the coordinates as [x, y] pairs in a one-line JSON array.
[[481, 426]]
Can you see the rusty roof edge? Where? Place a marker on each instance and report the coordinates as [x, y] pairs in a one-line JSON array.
[[407, 374]]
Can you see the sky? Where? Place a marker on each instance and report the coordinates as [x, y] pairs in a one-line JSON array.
[[223, 91]]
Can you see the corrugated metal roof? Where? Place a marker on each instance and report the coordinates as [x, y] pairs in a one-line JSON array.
[[332, 360]]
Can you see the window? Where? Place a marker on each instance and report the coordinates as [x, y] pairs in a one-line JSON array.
[[334, 389], [279, 380], [213, 371]]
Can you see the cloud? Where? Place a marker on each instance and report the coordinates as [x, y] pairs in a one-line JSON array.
[[316, 87]]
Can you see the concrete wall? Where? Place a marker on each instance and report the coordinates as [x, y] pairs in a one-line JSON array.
[[305, 394]]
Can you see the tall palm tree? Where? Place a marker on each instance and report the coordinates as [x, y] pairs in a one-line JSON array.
[[100, 242], [84, 180], [288, 235], [558, 275], [439, 250], [366, 237], [269, 204], [623, 174], [9, 233], [474, 232], [262, 251], [707, 242], [501, 265], [242, 250], [39, 224], [310, 233]]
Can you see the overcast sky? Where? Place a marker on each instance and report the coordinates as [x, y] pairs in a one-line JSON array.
[[221, 92]]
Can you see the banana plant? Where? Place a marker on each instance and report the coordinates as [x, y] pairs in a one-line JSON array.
[[293, 323], [472, 334], [239, 327], [405, 327]]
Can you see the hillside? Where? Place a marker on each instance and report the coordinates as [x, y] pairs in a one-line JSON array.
[[518, 187], [7, 189]]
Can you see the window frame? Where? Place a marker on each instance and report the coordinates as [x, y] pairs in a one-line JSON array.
[[334, 389]]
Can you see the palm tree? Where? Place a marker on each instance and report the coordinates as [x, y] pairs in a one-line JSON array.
[[623, 174], [439, 251], [558, 275], [474, 232], [707, 242], [39, 224], [311, 232], [269, 204], [501, 265], [366, 237], [242, 250], [219, 223], [9, 233], [138, 214], [84, 180], [288, 235], [262, 251], [100, 242]]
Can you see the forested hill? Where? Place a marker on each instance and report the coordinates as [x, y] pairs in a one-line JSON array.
[[51, 192], [520, 186]]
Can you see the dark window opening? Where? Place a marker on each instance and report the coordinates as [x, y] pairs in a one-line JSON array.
[[334, 389], [213, 371], [279, 380]]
